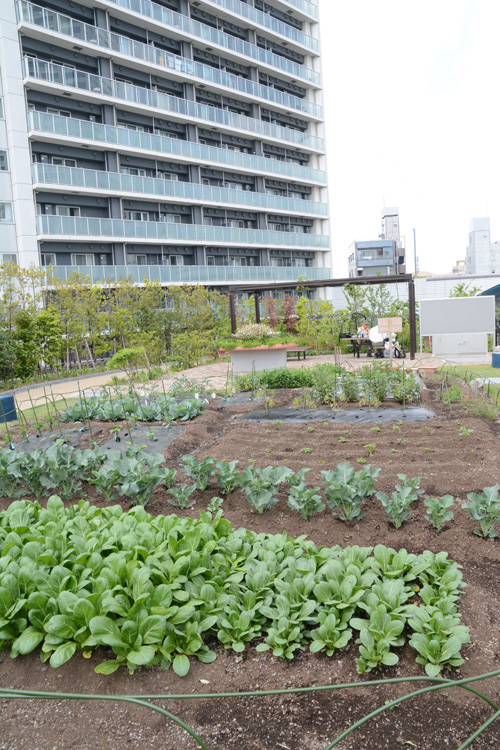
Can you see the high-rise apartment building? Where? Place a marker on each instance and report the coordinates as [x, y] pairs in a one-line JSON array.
[[482, 255], [178, 139]]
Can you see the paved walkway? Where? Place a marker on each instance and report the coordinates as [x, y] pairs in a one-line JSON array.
[[217, 374]]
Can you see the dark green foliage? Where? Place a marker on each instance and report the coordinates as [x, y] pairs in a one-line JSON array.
[[156, 591]]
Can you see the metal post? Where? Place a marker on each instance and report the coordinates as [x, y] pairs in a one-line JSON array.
[[413, 319], [415, 252], [232, 311], [257, 307]]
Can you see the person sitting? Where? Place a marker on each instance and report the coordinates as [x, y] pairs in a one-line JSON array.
[[364, 332]]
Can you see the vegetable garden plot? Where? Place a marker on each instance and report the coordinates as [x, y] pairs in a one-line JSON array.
[[447, 463]]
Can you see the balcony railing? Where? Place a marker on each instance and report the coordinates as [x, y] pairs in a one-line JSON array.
[[125, 230], [71, 177], [52, 21], [171, 147], [207, 34], [268, 22], [192, 274], [79, 79], [305, 6]]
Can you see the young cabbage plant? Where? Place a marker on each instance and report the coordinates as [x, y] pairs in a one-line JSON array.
[[346, 490], [438, 639], [306, 501], [228, 476], [484, 507], [261, 485], [397, 507], [200, 472], [438, 512], [181, 496]]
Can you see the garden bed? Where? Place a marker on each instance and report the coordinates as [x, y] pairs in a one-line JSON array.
[[447, 462]]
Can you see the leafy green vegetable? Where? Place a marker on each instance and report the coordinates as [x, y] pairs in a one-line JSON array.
[[346, 490], [484, 507]]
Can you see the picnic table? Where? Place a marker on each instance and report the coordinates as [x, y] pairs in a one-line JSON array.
[[300, 350]]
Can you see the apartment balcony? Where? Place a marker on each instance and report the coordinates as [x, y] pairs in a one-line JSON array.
[[180, 67], [182, 26], [153, 232], [268, 23], [55, 128], [51, 76], [132, 186], [304, 6], [194, 274]]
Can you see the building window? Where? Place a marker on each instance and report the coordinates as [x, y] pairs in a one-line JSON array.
[[136, 215], [48, 259], [170, 218], [168, 176], [67, 210], [5, 213], [58, 112], [59, 161], [132, 171], [136, 260], [239, 262], [210, 260], [176, 260], [9, 258], [235, 223], [82, 259], [4, 165]]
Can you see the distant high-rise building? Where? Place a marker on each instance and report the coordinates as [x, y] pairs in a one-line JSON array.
[[482, 255], [178, 140], [385, 256]]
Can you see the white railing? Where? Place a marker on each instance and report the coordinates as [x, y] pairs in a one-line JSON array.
[[207, 34], [72, 177], [192, 274], [71, 127], [267, 21], [124, 230], [79, 79], [52, 21]]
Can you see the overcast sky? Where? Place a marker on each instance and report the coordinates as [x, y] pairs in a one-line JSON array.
[[412, 120]]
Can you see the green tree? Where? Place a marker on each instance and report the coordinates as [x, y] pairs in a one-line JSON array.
[[464, 289], [49, 337], [26, 346]]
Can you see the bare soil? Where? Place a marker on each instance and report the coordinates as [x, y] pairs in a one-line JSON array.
[[447, 463]]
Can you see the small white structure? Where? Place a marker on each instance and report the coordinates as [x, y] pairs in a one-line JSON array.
[[458, 325], [256, 360]]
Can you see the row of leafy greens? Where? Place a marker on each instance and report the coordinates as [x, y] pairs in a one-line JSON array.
[[159, 590], [147, 410]]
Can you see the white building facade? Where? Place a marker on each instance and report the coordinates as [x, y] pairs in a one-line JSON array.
[[178, 140], [482, 255]]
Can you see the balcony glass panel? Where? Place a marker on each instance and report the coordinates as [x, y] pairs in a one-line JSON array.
[[39, 16], [304, 5], [192, 274], [149, 98], [188, 233], [91, 131], [263, 19], [123, 183], [207, 34]]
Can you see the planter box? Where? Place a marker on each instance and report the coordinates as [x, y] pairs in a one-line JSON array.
[[259, 358]]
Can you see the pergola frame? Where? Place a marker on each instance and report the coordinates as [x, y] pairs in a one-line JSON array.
[[255, 290]]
